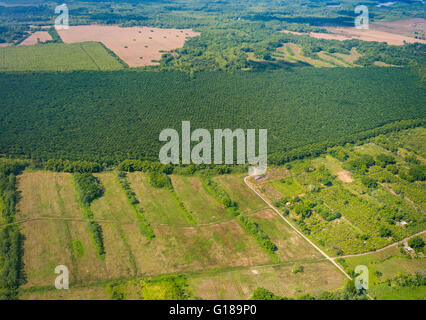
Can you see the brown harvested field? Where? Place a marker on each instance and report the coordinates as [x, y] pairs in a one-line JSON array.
[[407, 27], [240, 284], [47, 194], [137, 46], [36, 37], [348, 33], [4, 44], [366, 35]]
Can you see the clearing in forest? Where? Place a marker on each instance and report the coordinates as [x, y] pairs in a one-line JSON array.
[[36, 37], [137, 46], [348, 33]]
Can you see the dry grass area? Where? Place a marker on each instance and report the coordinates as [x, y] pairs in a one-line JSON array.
[[4, 44], [46, 245], [240, 284], [204, 248], [137, 46], [78, 293], [407, 27], [298, 56], [350, 58], [203, 208], [188, 249], [47, 194], [113, 205], [291, 246], [348, 33], [238, 191], [36, 37]]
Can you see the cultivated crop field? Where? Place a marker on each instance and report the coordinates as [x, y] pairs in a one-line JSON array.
[[57, 57]]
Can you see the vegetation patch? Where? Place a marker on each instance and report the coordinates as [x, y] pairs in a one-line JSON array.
[[88, 189]]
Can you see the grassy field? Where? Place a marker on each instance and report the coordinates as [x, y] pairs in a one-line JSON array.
[[159, 205], [47, 194], [385, 265], [204, 208], [114, 204], [57, 57], [211, 250], [218, 257], [240, 284], [234, 185]]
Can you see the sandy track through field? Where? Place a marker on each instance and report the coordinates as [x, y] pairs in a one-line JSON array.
[[295, 229], [331, 259], [383, 248]]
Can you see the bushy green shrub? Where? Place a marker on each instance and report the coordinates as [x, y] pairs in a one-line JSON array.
[[89, 187], [254, 229]]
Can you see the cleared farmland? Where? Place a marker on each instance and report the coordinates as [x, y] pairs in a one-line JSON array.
[[137, 46], [214, 244]]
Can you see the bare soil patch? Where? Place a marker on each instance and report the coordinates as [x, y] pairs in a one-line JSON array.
[[137, 46], [345, 176], [365, 35], [36, 37], [266, 214], [407, 27]]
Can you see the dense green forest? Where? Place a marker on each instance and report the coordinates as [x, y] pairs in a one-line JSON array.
[[10, 237], [111, 116]]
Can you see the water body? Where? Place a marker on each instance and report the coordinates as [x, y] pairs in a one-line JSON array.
[[385, 4]]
